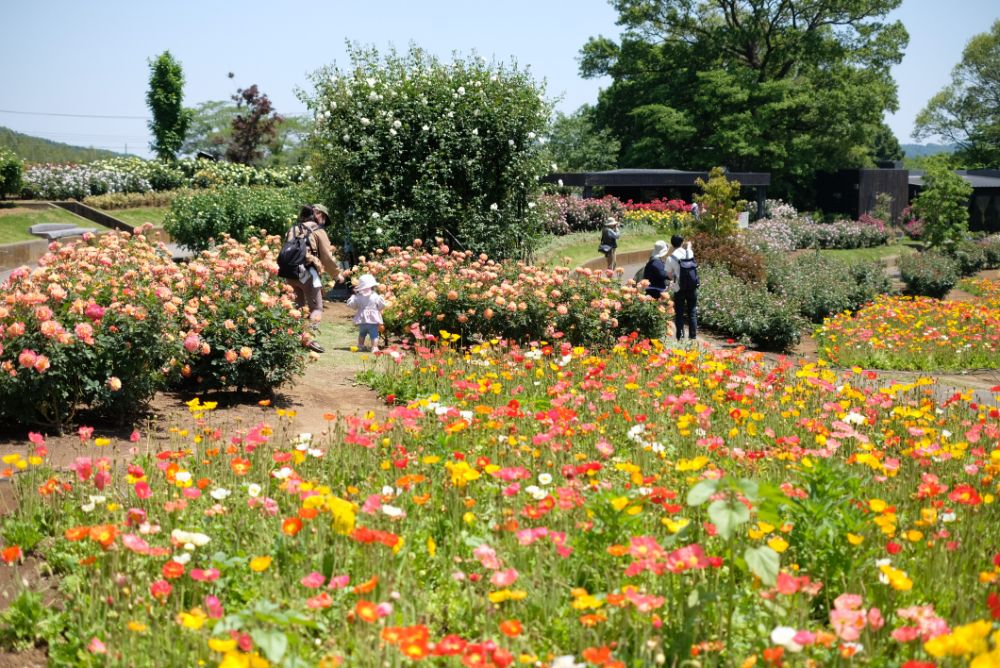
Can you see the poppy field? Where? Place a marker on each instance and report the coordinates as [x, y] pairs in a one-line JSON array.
[[546, 505], [918, 333]]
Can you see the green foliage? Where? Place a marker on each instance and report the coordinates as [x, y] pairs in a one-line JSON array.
[[28, 622], [930, 274], [970, 257], [408, 147], [747, 312], [11, 170], [38, 150], [112, 201], [820, 286], [991, 251], [791, 88], [730, 253], [576, 145], [210, 128], [965, 112], [196, 218], [943, 205], [720, 205], [165, 99], [884, 145]]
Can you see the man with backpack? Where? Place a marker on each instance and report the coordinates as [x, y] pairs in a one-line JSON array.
[[682, 270], [304, 257]]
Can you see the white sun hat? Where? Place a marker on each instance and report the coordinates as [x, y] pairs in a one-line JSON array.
[[660, 249], [366, 282]]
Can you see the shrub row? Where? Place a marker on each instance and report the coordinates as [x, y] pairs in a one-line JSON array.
[[747, 312], [930, 274], [103, 323], [563, 215], [241, 212], [819, 286], [112, 201], [135, 175], [479, 298], [789, 234]]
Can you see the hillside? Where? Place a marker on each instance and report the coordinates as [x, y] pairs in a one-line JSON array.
[[920, 150], [36, 149]]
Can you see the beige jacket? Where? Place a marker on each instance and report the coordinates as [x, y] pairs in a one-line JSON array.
[[320, 254]]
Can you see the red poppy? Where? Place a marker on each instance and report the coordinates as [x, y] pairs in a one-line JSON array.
[[511, 628], [291, 526], [11, 554]]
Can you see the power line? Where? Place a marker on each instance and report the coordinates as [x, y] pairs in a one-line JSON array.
[[49, 113]]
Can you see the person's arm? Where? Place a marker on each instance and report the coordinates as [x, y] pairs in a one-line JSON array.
[[353, 301], [325, 253]]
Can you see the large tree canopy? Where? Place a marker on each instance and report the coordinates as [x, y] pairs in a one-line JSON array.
[[786, 86], [967, 111]]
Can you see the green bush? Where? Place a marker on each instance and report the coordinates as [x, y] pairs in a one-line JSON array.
[[943, 204], [407, 147], [112, 201], [991, 250], [970, 257], [11, 171], [820, 286], [930, 274], [195, 219], [732, 254], [747, 312]]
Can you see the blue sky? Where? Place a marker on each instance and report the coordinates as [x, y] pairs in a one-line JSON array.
[[74, 57]]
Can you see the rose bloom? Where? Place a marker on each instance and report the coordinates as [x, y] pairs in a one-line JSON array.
[[42, 364], [27, 358], [114, 383]]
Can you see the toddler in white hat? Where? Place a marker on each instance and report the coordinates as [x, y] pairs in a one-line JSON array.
[[369, 305]]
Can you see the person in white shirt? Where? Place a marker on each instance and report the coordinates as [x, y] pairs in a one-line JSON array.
[[369, 305], [682, 272]]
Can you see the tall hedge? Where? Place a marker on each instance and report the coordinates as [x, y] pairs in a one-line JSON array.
[[406, 147]]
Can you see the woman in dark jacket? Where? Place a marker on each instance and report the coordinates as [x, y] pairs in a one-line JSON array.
[[655, 270]]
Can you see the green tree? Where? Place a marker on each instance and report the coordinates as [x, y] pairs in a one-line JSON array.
[[254, 126], [884, 145], [791, 87], [719, 204], [210, 129], [967, 111], [943, 204], [289, 146], [11, 170], [165, 99], [575, 145], [407, 147]]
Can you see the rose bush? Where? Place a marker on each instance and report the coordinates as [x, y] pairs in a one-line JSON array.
[[931, 273], [101, 323], [473, 296], [409, 147]]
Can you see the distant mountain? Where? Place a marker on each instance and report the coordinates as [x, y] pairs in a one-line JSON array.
[[921, 150], [36, 149]]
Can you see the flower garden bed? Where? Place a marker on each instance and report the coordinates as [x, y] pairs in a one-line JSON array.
[[917, 333], [548, 504]]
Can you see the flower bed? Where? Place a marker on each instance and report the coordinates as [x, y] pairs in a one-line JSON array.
[[104, 323], [548, 506], [788, 234], [915, 333], [135, 175], [472, 296]]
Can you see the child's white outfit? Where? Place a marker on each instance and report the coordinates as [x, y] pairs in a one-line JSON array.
[[369, 307]]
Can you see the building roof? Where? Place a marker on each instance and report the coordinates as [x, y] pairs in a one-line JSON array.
[[650, 178], [977, 178]]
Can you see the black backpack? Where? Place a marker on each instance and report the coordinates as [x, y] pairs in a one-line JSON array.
[[292, 256], [688, 279]]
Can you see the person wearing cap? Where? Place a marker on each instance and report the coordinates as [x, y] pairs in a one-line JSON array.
[[369, 305], [655, 270], [609, 242], [313, 220]]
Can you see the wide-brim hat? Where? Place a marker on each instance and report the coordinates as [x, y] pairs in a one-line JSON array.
[[660, 249], [367, 282], [611, 222], [322, 209]]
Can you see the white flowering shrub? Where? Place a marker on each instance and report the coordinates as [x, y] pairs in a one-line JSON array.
[[409, 147]]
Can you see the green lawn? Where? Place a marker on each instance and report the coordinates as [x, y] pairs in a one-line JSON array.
[[580, 247], [15, 221], [876, 253], [136, 217]]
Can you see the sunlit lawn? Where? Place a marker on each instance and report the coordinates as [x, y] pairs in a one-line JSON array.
[[15, 221], [897, 249], [580, 247], [139, 216]]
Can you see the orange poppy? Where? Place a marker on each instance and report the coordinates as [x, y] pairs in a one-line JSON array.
[[366, 611], [291, 526]]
